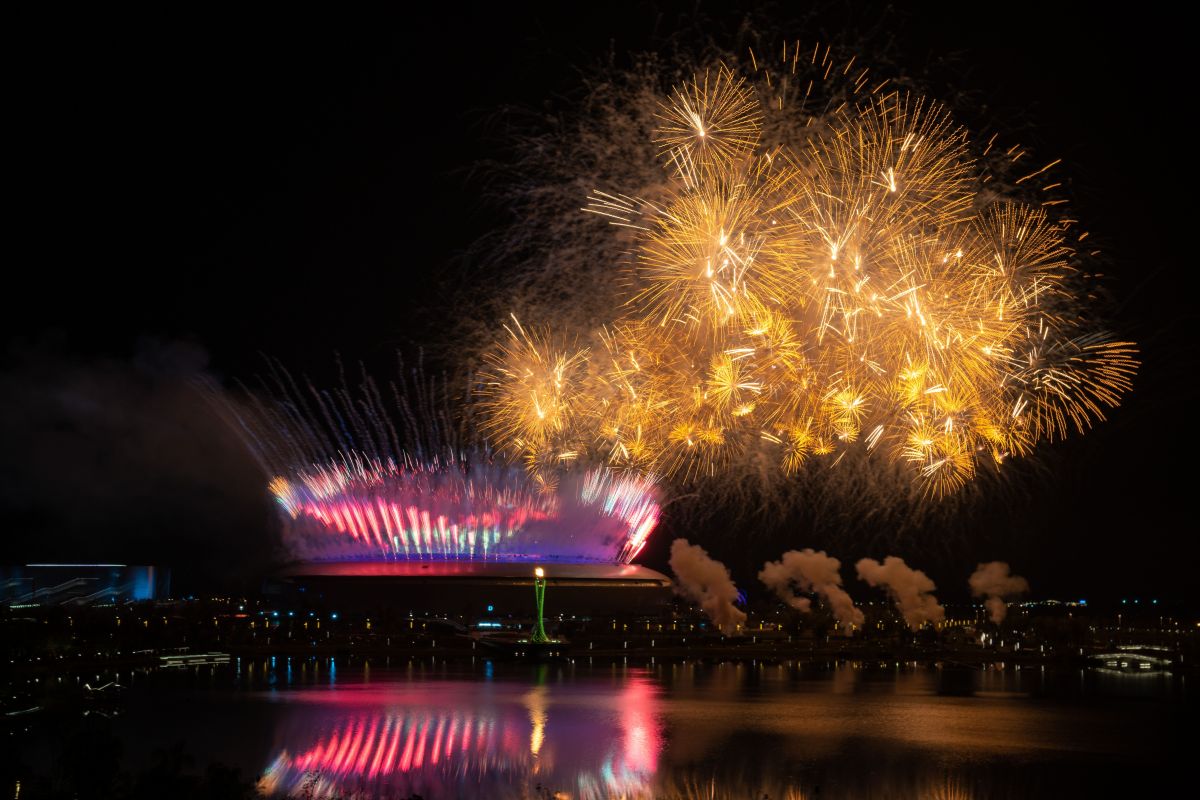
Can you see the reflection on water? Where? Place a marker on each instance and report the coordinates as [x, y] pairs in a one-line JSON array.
[[693, 730], [448, 738]]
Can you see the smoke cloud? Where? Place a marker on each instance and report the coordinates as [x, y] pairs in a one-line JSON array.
[[119, 458], [909, 588], [707, 582], [994, 581], [811, 572]]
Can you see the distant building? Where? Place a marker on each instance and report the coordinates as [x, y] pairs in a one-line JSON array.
[[81, 584]]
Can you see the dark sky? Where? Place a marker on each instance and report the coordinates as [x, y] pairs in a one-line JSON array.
[[194, 191]]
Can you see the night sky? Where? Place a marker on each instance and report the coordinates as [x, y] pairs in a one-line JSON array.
[[194, 192]]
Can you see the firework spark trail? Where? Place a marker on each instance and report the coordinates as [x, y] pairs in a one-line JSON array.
[[357, 508], [813, 290], [358, 480]]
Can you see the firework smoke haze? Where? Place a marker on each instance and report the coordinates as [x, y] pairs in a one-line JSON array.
[[994, 582], [707, 582], [910, 589], [812, 572], [804, 284]]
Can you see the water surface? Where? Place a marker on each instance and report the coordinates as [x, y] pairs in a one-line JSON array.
[[328, 728]]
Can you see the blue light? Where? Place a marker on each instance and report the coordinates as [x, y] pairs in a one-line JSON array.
[[291, 613], [1083, 602], [491, 607], [274, 613], [333, 615], [1155, 601], [1123, 601]]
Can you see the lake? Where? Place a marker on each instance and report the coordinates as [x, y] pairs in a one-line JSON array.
[[325, 728]]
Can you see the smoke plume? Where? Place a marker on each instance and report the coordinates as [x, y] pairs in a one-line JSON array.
[[811, 572], [102, 454], [909, 588], [993, 581], [708, 583]]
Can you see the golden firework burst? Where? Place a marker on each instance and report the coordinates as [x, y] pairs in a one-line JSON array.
[[853, 291]]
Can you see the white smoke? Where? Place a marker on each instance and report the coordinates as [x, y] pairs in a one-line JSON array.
[[909, 588], [812, 572], [994, 581], [707, 582]]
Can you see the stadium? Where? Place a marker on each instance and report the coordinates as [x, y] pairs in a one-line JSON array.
[[466, 540], [479, 589], [383, 509]]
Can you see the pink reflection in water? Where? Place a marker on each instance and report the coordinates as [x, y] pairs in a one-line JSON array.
[[640, 730], [467, 739]]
